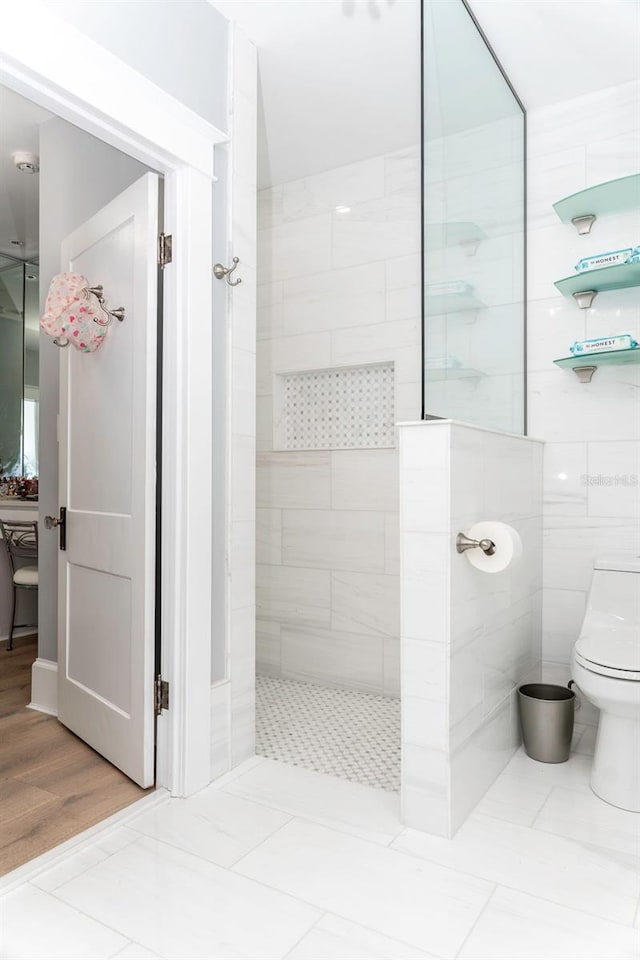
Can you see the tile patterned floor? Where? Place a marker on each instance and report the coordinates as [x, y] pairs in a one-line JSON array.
[[344, 733], [275, 861]]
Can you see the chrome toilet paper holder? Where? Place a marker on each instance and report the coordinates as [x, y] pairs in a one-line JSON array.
[[464, 543]]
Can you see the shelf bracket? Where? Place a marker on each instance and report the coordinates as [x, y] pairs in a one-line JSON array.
[[585, 298], [469, 247], [583, 224], [584, 374]]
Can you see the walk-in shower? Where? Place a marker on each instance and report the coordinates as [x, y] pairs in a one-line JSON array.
[[342, 267]]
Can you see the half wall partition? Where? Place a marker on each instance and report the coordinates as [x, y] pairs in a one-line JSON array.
[[468, 637]]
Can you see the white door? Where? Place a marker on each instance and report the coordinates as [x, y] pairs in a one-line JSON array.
[[107, 444]]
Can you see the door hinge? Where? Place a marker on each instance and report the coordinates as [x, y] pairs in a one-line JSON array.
[[165, 250], [161, 695]]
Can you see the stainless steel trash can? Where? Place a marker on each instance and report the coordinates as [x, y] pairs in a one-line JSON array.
[[546, 714]]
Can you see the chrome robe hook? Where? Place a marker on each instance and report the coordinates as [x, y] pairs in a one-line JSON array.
[[118, 313], [220, 272]]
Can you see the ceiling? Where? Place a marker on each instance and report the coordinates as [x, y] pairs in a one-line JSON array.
[[19, 123], [339, 79], [559, 49]]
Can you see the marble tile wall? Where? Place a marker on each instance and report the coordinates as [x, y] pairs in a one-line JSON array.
[[468, 638], [591, 430], [338, 285]]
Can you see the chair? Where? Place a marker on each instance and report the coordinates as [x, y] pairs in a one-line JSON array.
[[20, 538]]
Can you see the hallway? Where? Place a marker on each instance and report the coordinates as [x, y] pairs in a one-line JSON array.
[[52, 785]]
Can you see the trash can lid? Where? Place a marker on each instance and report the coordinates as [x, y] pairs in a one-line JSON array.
[[619, 649]]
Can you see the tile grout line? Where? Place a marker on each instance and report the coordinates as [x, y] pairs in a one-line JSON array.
[[507, 886], [477, 920], [87, 868], [305, 934], [542, 806]]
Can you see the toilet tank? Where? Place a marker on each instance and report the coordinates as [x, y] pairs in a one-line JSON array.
[[614, 597]]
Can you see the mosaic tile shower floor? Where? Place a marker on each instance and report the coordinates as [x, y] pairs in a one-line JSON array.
[[343, 733]]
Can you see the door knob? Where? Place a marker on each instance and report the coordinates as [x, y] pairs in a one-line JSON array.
[[52, 522]]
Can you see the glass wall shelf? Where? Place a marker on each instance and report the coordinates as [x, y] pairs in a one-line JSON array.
[[461, 233], [443, 303], [584, 207], [454, 373], [584, 287], [586, 366]]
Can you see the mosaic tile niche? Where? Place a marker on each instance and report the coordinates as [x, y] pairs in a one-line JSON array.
[[342, 408]]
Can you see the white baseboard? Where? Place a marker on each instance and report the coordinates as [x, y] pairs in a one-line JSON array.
[[44, 687], [20, 632]]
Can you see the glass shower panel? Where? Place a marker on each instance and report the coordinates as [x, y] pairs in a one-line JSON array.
[[474, 227]]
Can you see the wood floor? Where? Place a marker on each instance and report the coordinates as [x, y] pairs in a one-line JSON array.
[[52, 785]]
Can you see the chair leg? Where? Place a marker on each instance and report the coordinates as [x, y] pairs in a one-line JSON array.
[[13, 619]]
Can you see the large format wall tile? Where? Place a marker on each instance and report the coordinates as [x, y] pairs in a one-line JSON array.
[[365, 603], [592, 487], [294, 249], [376, 230], [468, 638], [347, 297], [268, 648], [292, 595], [333, 540], [333, 657], [291, 354], [364, 480], [340, 187], [292, 479], [339, 286], [268, 536]]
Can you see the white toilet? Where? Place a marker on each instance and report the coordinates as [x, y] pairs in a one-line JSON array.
[[606, 668]]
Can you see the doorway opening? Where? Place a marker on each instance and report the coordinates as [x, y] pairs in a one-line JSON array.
[[53, 783]]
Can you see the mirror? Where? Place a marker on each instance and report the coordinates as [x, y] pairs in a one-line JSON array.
[[19, 366]]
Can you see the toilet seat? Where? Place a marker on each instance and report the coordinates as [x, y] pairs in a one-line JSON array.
[[611, 654]]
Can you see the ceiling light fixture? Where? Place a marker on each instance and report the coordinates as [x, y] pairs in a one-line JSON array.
[[25, 161], [17, 243], [342, 209]]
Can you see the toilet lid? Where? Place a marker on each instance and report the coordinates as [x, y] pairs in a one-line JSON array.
[[619, 650]]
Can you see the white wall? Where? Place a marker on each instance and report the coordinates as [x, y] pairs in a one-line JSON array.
[[233, 689], [468, 637], [78, 175], [181, 47], [591, 430], [337, 287]]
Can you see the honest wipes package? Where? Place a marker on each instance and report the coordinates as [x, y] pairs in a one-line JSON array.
[[622, 341], [610, 259]]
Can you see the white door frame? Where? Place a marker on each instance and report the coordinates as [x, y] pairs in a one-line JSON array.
[[104, 96]]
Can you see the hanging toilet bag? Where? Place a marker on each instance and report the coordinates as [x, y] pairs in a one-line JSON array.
[[73, 314]]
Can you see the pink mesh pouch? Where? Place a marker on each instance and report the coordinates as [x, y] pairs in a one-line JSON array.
[[73, 314]]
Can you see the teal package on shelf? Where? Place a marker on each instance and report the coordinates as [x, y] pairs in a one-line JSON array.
[[621, 341], [610, 259]]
